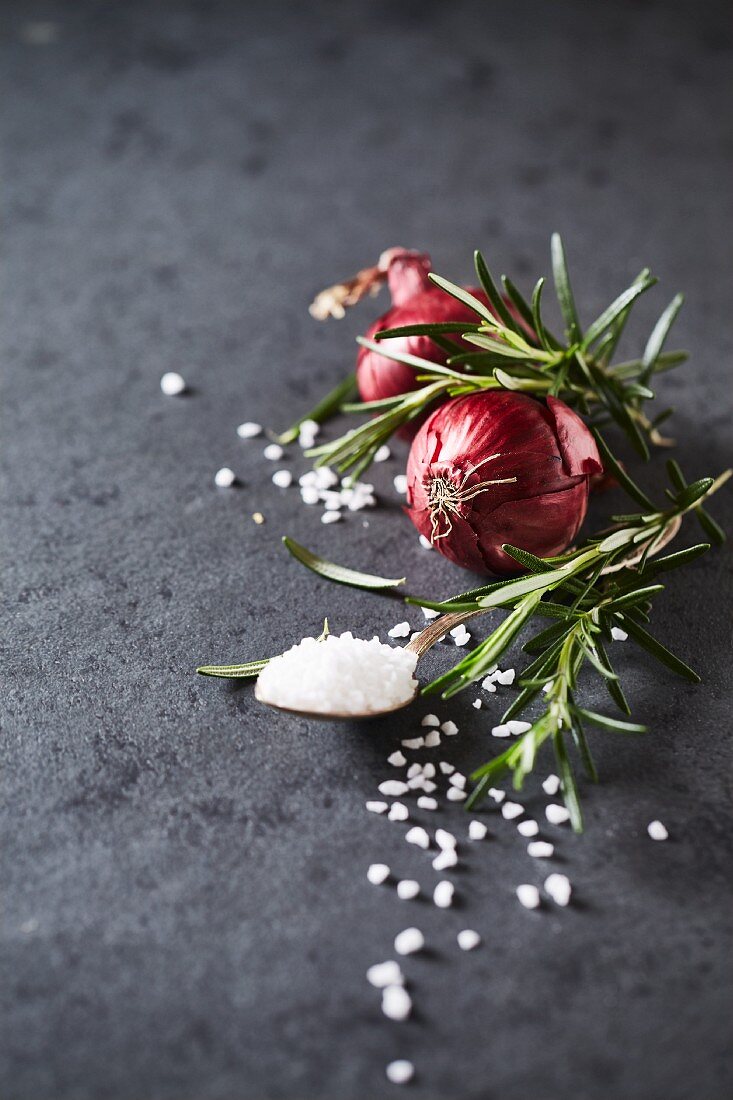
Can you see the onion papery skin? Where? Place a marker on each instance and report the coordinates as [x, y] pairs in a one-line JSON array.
[[500, 467]]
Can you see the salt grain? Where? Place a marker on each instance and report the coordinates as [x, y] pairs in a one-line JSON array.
[[382, 453], [445, 840], [510, 810], [407, 889], [249, 430], [330, 517], [419, 836], [428, 770], [172, 384], [443, 894], [501, 731], [282, 478], [618, 634], [400, 630], [397, 759], [273, 451], [377, 807], [497, 794], [447, 858], [393, 788], [224, 478], [551, 785], [468, 939], [384, 974], [309, 495], [400, 1071], [556, 814], [396, 1002], [400, 484], [454, 794], [427, 803], [413, 770], [528, 828], [446, 768], [450, 729], [559, 889], [430, 612], [398, 812], [529, 896], [477, 830], [432, 740], [378, 873], [540, 849], [430, 720], [413, 743], [458, 780], [657, 831], [409, 941], [506, 677], [425, 543], [516, 727]]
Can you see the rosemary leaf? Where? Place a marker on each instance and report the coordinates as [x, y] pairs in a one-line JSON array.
[[340, 574]]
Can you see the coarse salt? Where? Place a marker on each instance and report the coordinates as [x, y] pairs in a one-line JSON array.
[[540, 849], [339, 675], [172, 384], [409, 941], [497, 794], [476, 704], [273, 452], [407, 889], [377, 807], [430, 612], [477, 830], [398, 812], [445, 840], [447, 858], [528, 895], [507, 677], [559, 889], [224, 478], [400, 630], [282, 478], [397, 759], [382, 453], [384, 974], [446, 768], [556, 814], [413, 770], [455, 794], [501, 731], [443, 894], [425, 543], [516, 727], [377, 873], [425, 802], [430, 720], [400, 484], [458, 780], [400, 1071], [432, 739], [396, 1002], [510, 810], [249, 430], [428, 770], [393, 788], [528, 827], [657, 831], [450, 729], [468, 939], [618, 634], [551, 785], [330, 517], [413, 743]]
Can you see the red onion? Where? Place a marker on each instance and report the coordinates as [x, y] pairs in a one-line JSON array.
[[497, 467]]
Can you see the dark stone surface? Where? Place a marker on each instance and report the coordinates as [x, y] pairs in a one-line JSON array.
[[185, 911]]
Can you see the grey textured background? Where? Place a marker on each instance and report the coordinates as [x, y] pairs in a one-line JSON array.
[[185, 912]]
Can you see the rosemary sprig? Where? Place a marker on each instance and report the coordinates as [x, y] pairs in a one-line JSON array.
[[513, 348]]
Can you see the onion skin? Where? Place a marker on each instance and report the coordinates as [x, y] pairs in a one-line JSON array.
[[498, 467]]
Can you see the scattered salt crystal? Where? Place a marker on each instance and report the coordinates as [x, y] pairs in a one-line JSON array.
[[506, 677], [419, 836], [400, 630], [528, 828], [430, 613], [330, 517], [382, 453], [273, 451], [396, 1002], [377, 807], [540, 849], [413, 770], [462, 639], [556, 814], [450, 729], [529, 896], [331, 500], [477, 704], [559, 888], [397, 759], [497, 794], [454, 794], [446, 768], [551, 785], [398, 812], [309, 495], [428, 770], [516, 727], [618, 634], [413, 743], [425, 543], [307, 432], [445, 840], [548, 686], [224, 478], [428, 786], [400, 484], [458, 780], [416, 782], [400, 1071], [489, 685], [657, 831], [249, 430], [447, 858], [432, 740], [490, 677], [510, 810], [430, 720], [384, 974], [443, 894], [378, 873], [468, 939], [172, 384], [258, 518], [477, 830], [325, 478], [427, 803], [501, 731], [393, 788], [407, 889], [415, 634], [409, 941], [282, 478]]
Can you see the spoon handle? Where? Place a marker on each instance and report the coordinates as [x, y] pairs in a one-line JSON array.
[[432, 633]]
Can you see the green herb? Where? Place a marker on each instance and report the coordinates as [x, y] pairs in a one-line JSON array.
[[247, 671], [338, 573], [326, 408]]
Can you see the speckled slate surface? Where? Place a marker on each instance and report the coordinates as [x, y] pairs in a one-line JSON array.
[[185, 912]]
